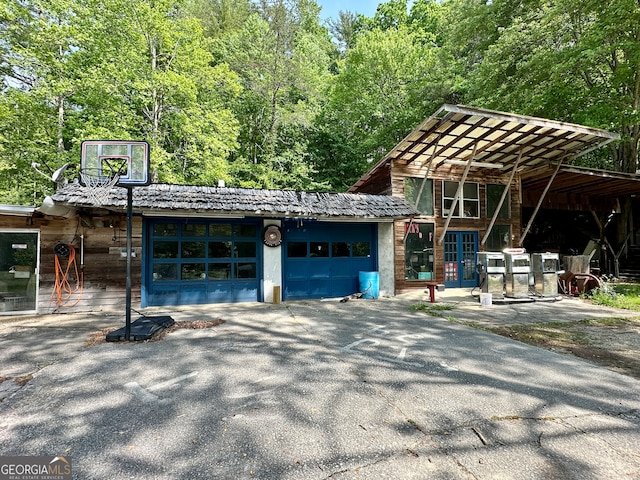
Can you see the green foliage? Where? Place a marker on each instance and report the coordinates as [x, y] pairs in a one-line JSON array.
[[384, 87], [435, 310], [256, 93], [566, 60], [282, 58], [617, 295]]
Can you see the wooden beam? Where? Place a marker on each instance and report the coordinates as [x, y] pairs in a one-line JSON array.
[[501, 202], [535, 211], [457, 196], [424, 181]]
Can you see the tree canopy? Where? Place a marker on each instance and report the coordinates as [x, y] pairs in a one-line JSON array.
[[263, 93]]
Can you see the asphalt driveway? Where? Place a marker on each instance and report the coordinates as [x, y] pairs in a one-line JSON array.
[[316, 390]]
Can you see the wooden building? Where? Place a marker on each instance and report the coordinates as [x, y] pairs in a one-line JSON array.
[[464, 181], [193, 245], [473, 174]]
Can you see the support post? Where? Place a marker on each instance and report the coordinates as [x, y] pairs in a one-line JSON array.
[[457, 196], [424, 181], [504, 195], [127, 326], [535, 211]]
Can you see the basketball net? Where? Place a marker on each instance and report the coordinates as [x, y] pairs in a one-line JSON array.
[[98, 186]]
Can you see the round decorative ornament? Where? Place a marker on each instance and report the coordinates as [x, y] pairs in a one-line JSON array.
[[272, 236]]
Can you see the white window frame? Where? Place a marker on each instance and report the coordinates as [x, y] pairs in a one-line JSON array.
[[472, 205]]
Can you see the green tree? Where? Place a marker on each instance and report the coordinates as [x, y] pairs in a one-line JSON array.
[[144, 71], [282, 55], [388, 83], [576, 61], [39, 61]]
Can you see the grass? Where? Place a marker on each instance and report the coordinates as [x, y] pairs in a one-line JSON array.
[[617, 295], [435, 310]]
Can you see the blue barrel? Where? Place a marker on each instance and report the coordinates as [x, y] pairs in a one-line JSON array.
[[369, 284]]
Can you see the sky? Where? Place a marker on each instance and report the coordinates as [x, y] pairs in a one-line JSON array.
[[330, 8]]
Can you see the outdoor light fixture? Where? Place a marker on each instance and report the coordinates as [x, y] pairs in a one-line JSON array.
[[474, 164]]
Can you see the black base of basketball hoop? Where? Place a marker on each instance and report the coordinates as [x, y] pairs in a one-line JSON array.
[[144, 328]]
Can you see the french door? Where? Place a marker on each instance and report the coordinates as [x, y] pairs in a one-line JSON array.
[[460, 250]]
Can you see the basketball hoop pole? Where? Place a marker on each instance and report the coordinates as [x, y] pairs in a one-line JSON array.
[[127, 327]]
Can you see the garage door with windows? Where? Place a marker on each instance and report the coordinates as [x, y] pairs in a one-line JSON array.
[[323, 260], [201, 262]]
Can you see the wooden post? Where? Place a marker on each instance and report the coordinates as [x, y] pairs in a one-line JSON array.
[[276, 294]]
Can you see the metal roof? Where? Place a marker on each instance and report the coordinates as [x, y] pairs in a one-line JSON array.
[[190, 200], [17, 210], [582, 181], [495, 140]]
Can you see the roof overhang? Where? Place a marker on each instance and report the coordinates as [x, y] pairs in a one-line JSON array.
[[17, 210], [573, 180], [496, 141]]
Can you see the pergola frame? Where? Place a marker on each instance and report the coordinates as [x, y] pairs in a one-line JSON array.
[[497, 142]]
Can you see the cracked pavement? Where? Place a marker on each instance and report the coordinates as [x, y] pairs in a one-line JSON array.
[[366, 389]]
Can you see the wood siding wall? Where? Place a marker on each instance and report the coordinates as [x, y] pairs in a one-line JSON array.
[[400, 171], [104, 272]]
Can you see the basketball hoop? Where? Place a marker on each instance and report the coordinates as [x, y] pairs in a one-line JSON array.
[[98, 186]]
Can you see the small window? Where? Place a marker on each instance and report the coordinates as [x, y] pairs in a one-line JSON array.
[[165, 271], [340, 249], [494, 194], [246, 270], [319, 249], [245, 249], [468, 203], [219, 249], [165, 249], [245, 230], [361, 249], [220, 230], [194, 249], [297, 249], [420, 191], [193, 271], [194, 230], [165, 229], [219, 271]]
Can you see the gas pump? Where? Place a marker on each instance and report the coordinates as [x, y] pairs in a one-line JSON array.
[[518, 268], [545, 273], [491, 268]]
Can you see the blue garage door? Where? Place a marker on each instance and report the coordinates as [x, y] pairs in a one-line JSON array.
[[323, 260], [201, 262]]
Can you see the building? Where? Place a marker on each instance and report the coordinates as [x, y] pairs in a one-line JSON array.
[[464, 181], [195, 244], [484, 181]]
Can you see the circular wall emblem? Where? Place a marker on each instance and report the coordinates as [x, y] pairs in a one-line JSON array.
[[272, 236]]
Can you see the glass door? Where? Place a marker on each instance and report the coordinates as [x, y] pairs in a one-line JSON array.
[[460, 250], [19, 261]]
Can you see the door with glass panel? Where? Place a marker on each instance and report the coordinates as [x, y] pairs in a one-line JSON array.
[[460, 249], [19, 267]]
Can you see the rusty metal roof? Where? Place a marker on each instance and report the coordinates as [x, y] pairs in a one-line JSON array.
[[455, 133]]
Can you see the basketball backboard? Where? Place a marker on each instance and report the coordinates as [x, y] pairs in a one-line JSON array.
[[127, 159]]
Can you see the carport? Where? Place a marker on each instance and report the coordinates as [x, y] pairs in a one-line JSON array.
[[604, 194]]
